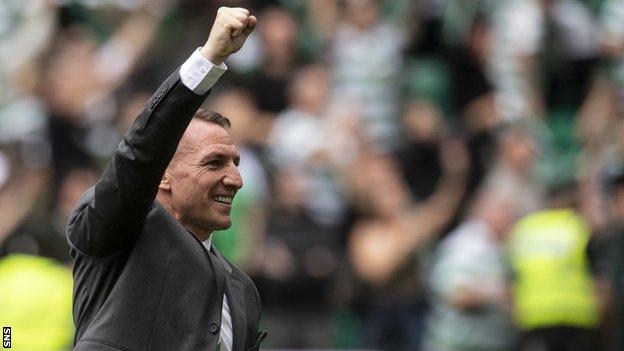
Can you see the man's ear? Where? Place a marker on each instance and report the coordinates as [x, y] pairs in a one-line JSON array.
[[165, 182]]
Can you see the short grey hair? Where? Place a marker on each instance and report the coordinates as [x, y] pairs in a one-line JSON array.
[[212, 117]]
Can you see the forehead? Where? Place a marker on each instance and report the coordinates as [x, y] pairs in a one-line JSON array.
[[201, 138]]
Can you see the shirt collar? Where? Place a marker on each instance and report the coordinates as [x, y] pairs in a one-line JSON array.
[[208, 242]]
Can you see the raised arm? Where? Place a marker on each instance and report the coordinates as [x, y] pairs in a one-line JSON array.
[[428, 219], [110, 215], [378, 252]]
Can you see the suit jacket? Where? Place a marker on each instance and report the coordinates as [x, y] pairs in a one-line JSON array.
[[141, 280]]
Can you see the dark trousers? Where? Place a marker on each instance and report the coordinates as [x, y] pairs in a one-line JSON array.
[[559, 339], [394, 327]]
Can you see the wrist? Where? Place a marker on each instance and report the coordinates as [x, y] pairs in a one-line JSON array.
[[215, 58]]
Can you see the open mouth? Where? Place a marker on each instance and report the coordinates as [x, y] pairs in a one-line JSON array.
[[226, 200]]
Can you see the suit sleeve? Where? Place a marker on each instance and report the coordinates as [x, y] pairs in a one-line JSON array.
[[110, 215]]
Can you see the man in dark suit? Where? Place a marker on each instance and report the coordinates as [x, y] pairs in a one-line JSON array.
[[146, 276]]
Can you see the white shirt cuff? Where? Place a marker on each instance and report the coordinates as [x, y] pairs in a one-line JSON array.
[[199, 74]]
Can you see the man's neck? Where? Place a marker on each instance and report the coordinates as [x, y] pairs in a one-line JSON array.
[[201, 235]]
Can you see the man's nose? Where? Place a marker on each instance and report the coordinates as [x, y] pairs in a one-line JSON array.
[[233, 178]]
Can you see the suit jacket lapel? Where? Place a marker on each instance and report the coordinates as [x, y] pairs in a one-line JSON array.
[[217, 267], [236, 298], [219, 272]]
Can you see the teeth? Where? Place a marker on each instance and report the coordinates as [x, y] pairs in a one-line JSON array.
[[223, 199]]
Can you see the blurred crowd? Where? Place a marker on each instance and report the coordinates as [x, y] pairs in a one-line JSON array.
[[419, 175]]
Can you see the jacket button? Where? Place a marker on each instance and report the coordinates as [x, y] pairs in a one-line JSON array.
[[213, 328]]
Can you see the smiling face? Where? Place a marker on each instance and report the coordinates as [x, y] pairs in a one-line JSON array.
[[200, 182]]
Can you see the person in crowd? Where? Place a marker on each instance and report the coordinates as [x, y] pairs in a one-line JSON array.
[[309, 146], [24, 181], [24, 36], [609, 254], [389, 239], [297, 268], [79, 78], [565, 32], [304, 137], [514, 170], [278, 34], [419, 156], [470, 281], [36, 303], [473, 97], [368, 79], [555, 302]]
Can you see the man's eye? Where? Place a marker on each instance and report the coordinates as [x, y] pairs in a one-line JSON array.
[[213, 163]]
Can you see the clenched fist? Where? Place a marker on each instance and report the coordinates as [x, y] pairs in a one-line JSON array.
[[231, 28]]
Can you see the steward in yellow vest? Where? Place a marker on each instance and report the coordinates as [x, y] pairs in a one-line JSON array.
[[553, 289], [35, 302]]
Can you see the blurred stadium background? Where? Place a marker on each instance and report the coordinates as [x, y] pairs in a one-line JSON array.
[[419, 175]]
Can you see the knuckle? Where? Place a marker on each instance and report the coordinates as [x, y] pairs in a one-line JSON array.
[[237, 22]]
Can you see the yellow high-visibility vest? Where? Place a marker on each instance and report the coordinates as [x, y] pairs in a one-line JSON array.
[[553, 285], [36, 303]]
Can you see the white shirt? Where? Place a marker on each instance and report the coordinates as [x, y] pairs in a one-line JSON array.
[[199, 75]]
